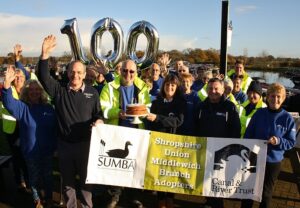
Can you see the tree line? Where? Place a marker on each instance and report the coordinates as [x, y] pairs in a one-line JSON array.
[[193, 56]]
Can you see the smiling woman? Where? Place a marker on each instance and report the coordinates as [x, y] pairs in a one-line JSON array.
[[277, 127], [167, 114], [33, 93], [37, 124]]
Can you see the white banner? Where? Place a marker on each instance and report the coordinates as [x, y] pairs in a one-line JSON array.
[[118, 156], [234, 168], [215, 167]]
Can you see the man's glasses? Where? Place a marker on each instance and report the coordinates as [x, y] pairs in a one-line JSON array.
[[128, 71]]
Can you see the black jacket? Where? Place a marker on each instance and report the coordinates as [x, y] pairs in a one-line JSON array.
[[76, 111], [218, 119], [170, 115]]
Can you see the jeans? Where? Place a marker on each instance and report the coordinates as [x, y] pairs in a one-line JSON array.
[[40, 172]]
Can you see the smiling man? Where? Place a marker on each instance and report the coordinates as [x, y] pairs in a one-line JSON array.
[[77, 107], [125, 89], [217, 117], [239, 71], [115, 96]]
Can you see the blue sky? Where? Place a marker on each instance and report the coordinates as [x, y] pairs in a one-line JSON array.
[[259, 26]]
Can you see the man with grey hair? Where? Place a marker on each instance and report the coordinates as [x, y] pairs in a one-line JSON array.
[[125, 89], [116, 95], [77, 107]]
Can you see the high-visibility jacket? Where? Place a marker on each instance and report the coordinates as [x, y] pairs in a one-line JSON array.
[[246, 119], [110, 99], [232, 99], [33, 76], [245, 82], [8, 121], [202, 94]]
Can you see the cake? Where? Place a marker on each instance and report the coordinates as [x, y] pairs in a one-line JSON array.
[[136, 109]]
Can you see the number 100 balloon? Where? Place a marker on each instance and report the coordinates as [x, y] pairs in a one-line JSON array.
[[70, 28]]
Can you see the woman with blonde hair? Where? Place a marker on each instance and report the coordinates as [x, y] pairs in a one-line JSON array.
[[277, 127], [37, 123], [10, 127]]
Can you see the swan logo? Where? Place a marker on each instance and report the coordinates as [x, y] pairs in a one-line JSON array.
[[116, 158], [221, 157]]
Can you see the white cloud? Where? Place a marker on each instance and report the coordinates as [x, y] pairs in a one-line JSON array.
[[30, 31], [170, 42], [245, 9]]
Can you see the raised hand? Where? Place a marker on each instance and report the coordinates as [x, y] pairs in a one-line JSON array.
[[48, 46], [220, 76], [18, 51], [101, 68], [164, 60], [9, 76]]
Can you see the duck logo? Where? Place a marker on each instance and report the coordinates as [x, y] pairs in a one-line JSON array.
[[116, 158], [119, 153], [249, 157]]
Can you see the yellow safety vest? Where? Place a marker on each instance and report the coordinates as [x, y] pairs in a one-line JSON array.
[[8, 121], [202, 94], [110, 99], [246, 119], [33, 76], [232, 99], [245, 82]]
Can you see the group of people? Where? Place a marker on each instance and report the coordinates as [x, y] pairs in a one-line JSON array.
[[210, 106]]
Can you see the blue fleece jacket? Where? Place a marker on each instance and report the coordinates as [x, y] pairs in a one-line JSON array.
[[192, 102], [240, 97], [266, 123], [37, 125], [156, 85]]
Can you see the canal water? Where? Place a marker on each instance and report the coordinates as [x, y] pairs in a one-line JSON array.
[[271, 77]]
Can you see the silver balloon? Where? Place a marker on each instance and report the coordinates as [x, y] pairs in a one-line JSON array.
[[143, 27], [70, 28], [114, 28]]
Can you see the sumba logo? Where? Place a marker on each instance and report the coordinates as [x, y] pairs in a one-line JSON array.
[[116, 158], [236, 149]]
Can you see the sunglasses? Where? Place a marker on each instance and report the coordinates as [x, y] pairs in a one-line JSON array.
[[128, 71], [240, 76]]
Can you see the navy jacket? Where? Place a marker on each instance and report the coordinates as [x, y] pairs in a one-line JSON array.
[[218, 119]]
